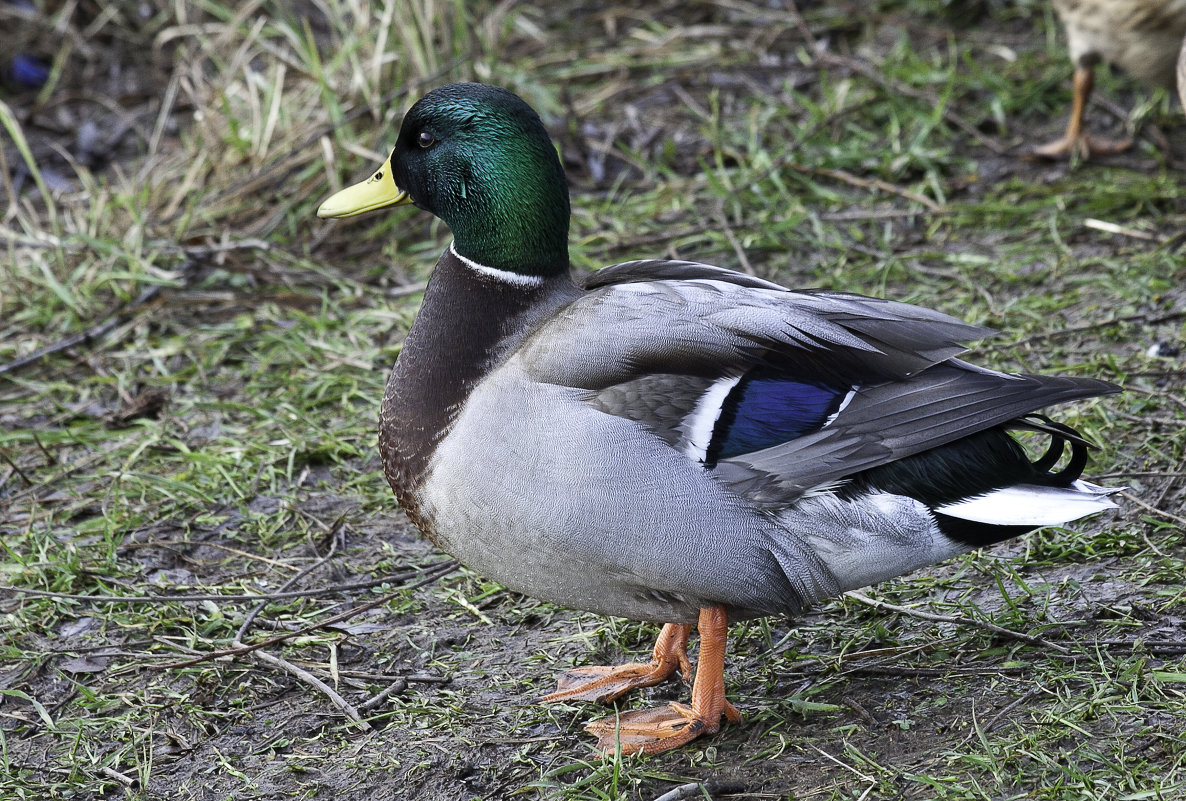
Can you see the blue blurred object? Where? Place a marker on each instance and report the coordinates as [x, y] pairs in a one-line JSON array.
[[28, 72], [25, 71]]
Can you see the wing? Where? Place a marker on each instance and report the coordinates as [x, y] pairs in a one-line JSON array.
[[704, 321], [778, 392]]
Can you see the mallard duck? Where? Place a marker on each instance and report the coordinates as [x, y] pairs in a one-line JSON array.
[[1142, 37], [675, 442]]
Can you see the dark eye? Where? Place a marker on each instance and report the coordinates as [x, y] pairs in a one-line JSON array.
[[426, 139]]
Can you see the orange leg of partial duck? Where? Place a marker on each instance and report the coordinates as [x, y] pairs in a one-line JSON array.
[[652, 731], [604, 685], [1074, 141]]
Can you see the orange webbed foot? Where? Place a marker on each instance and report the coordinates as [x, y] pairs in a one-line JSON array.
[[1075, 142], [1082, 147], [653, 731], [605, 684]]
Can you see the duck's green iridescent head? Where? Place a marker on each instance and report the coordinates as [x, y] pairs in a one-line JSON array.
[[479, 158]]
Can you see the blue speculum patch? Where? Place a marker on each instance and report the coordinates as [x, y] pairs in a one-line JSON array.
[[764, 410]]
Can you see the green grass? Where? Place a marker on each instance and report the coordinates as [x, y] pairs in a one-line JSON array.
[[872, 153]]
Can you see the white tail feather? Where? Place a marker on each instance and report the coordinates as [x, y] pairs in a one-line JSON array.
[[1032, 505]]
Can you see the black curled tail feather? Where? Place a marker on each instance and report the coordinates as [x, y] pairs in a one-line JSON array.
[[1061, 435]]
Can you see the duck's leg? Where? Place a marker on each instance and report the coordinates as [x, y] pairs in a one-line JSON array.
[[1074, 141], [651, 731], [605, 684]]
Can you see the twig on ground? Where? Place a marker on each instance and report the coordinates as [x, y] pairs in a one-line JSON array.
[[254, 613], [1017, 635], [430, 576], [1128, 496], [1113, 228], [908, 670], [826, 755], [160, 245], [855, 706], [396, 687], [414, 678], [992, 722], [16, 467], [1156, 507], [66, 470], [307, 677], [255, 557], [735, 243], [888, 662], [1158, 375], [861, 215], [122, 778], [271, 596], [365, 675], [1160, 394], [407, 289], [1160, 647], [1141, 474], [301, 674], [247, 649], [864, 183], [1009, 707], [88, 336], [1147, 420], [801, 24], [708, 789], [1083, 329]]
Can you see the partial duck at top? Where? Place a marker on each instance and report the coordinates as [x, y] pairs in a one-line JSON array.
[[1142, 37], [675, 442]]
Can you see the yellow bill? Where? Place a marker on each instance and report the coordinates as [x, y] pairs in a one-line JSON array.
[[374, 193]]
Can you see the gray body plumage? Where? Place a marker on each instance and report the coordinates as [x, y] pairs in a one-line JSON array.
[[565, 464]]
